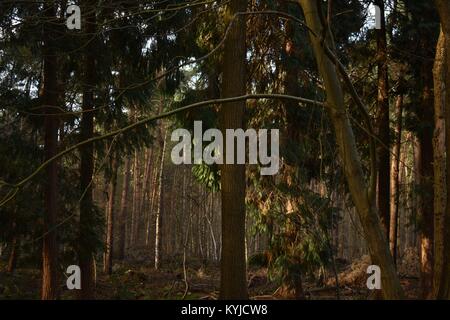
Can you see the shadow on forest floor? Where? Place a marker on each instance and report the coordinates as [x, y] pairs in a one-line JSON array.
[[131, 282]]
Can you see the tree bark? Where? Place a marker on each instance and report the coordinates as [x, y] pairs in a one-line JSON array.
[[426, 214], [366, 209], [383, 151], [123, 210], [12, 261], [159, 212], [395, 190], [440, 189], [135, 217], [233, 277], [145, 194], [108, 261], [87, 234], [51, 125], [292, 138], [442, 287], [153, 194]]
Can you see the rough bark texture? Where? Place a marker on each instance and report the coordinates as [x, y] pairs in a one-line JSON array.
[[134, 235], [153, 194], [149, 164], [440, 189], [442, 289], [50, 100], [368, 214], [383, 130], [233, 279], [159, 212], [395, 195], [123, 210], [108, 262], [425, 136], [87, 221]]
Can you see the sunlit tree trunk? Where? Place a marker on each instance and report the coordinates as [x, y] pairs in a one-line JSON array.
[[395, 190], [442, 283], [440, 189], [351, 163]]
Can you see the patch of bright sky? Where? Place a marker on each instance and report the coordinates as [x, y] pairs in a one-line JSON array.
[[151, 41], [370, 22], [192, 82]]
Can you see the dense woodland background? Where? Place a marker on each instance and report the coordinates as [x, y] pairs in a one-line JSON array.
[[86, 176]]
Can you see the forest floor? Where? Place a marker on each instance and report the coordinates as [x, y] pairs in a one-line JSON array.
[[141, 282]]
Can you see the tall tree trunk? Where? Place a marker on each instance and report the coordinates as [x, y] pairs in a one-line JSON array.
[[108, 261], [426, 214], [440, 189], [395, 190], [159, 212], [351, 163], [12, 261], [123, 210], [383, 152], [51, 124], [134, 210], [144, 192], [292, 136], [87, 234], [233, 276], [152, 195], [442, 289]]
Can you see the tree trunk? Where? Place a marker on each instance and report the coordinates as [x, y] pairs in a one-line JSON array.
[[366, 209], [50, 99], [158, 222], [153, 195], [426, 214], [123, 210], [233, 277], [395, 190], [12, 261], [108, 261], [442, 289], [87, 234], [144, 193], [292, 138], [383, 152], [135, 217], [440, 189]]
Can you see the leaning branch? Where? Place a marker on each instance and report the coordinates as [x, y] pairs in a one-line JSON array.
[[150, 119]]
